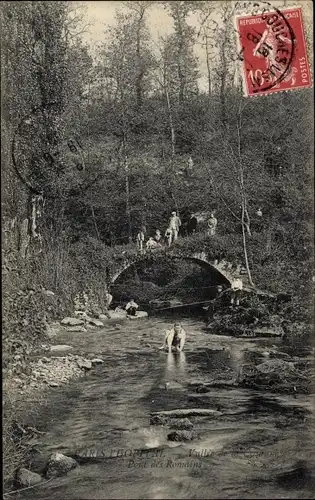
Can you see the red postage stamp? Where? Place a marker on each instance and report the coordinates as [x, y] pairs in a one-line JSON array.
[[273, 51]]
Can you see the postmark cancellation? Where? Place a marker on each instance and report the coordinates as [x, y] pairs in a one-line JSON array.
[[273, 50]]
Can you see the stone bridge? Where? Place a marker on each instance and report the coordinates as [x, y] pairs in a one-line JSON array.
[[224, 270]]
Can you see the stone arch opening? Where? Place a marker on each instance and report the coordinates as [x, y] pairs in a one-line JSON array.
[[218, 276]]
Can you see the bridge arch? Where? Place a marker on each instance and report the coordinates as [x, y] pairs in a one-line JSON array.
[[224, 270]]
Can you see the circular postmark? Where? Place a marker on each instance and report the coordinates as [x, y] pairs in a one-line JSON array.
[[48, 161], [267, 47]]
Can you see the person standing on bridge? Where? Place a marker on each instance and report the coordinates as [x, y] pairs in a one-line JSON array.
[[212, 225], [168, 236], [140, 238], [192, 224], [236, 290], [174, 225]]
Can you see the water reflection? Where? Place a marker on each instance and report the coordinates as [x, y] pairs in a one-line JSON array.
[[175, 365], [237, 360], [125, 391]]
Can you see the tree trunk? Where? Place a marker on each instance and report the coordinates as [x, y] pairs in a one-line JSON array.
[[95, 225], [126, 170], [173, 148], [208, 67], [269, 240], [170, 116], [245, 246], [181, 75], [222, 100], [127, 191], [247, 223], [139, 90], [24, 238], [223, 77]]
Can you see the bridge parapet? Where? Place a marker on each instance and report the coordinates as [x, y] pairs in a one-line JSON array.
[[227, 270]]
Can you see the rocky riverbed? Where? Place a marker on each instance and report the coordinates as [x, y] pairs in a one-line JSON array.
[[193, 409], [52, 371]]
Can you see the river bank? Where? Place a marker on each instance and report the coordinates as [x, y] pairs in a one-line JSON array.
[[109, 409]]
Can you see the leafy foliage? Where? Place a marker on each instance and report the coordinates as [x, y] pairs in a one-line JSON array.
[[146, 142], [120, 140]]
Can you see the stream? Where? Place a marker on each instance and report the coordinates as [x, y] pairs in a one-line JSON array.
[[261, 446]]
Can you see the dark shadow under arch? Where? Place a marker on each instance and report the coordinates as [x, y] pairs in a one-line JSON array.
[[220, 277]]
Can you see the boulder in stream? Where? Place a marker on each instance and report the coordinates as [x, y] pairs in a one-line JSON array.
[[196, 383], [188, 412], [97, 361], [300, 473], [72, 321], [173, 385], [60, 347], [25, 478], [139, 315], [157, 420], [52, 329], [76, 328], [181, 424], [180, 435], [86, 364], [277, 365], [269, 331], [59, 465], [103, 317], [201, 389], [96, 322], [276, 374]]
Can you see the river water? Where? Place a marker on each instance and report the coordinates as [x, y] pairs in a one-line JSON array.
[[260, 446]]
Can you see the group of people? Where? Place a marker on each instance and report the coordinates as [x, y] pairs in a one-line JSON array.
[[158, 241], [171, 234]]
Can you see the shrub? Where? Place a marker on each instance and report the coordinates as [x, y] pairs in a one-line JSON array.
[[18, 410], [142, 292]]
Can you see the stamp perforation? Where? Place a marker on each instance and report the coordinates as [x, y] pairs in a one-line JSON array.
[[275, 55]]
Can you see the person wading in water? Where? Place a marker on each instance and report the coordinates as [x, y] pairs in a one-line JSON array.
[[176, 338]]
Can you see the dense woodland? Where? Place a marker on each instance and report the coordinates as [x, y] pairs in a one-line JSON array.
[[97, 143]]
